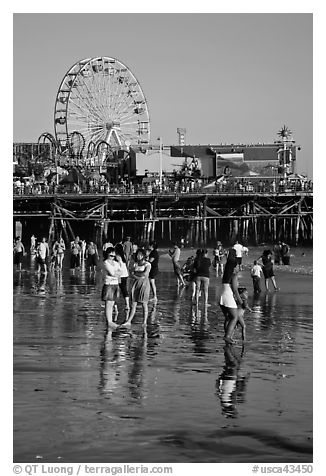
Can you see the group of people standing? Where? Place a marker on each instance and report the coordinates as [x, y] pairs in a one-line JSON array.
[[53, 257], [81, 251], [124, 261], [227, 263], [40, 250], [233, 299]]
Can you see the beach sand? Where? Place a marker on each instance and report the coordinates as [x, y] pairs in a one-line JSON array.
[[84, 395]]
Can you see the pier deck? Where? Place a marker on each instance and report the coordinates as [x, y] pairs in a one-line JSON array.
[[200, 216]]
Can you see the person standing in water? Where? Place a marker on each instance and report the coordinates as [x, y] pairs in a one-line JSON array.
[[33, 244], [240, 249], [201, 268], [19, 251], [218, 254], [127, 250], [75, 254], [175, 256], [230, 299], [255, 273], [285, 253], [110, 290], [42, 254], [83, 246], [268, 270], [91, 256], [277, 249], [59, 249], [153, 258], [141, 287], [123, 281]]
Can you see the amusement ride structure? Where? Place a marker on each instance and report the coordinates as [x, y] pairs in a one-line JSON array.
[[100, 119], [101, 100]]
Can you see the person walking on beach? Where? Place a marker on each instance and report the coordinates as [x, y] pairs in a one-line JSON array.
[[42, 254], [268, 270], [230, 299], [141, 287], [110, 290], [91, 256], [19, 251], [201, 268], [256, 272], [153, 258], [219, 254], [59, 249], [175, 256]]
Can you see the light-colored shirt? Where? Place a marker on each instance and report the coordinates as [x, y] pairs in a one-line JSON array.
[[256, 270], [19, 247], [43, 250], [239, 249], [124, 270], [113, 272]]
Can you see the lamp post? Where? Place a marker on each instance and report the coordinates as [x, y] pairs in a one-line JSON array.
[[161, 162]]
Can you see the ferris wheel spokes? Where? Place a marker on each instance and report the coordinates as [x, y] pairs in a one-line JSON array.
[[102, 100]]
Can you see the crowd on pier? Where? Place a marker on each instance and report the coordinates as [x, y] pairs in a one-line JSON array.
[[30, 186], [129, 271]]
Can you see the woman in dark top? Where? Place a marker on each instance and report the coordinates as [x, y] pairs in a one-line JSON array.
[[153, 258], [201, 268], [268, 270]]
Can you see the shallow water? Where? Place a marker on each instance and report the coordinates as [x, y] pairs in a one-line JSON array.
[[176, 395]]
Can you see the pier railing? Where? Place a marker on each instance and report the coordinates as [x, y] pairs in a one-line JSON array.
[[19, 192]]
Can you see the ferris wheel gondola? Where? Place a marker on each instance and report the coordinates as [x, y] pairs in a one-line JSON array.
[[102, 100]]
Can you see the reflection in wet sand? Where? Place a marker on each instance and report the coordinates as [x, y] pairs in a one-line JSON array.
[[83, 393], [231, 386]]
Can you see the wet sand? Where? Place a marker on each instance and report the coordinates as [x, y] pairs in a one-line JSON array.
[[82, 394]]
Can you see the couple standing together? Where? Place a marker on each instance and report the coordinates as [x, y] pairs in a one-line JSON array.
[[142, 270]]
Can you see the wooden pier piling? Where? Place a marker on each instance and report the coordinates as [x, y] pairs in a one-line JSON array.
[[201, 219]]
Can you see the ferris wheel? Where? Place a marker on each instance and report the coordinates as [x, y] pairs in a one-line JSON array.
[[102, 100]]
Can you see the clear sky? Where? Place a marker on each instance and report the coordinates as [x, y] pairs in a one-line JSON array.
[[224, 77]]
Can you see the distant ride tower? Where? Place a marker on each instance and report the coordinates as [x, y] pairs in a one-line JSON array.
[[182, 136]]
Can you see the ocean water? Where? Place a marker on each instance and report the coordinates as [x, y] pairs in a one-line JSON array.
[[175, 394]]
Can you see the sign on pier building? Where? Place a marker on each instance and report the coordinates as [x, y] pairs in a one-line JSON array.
[[215, 160]]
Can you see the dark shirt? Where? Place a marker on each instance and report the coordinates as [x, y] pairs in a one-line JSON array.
[[202, 266], [267, 262], [155, 256]]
